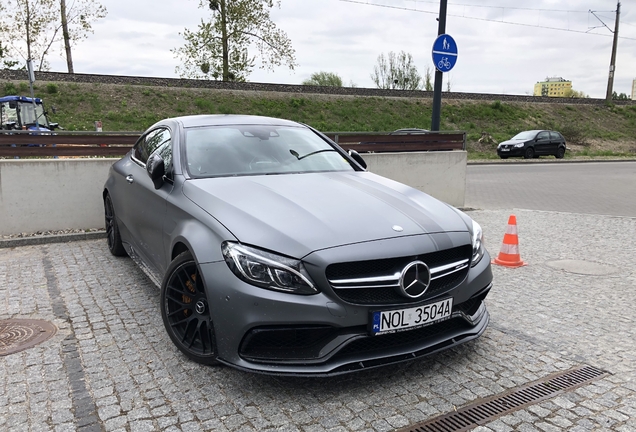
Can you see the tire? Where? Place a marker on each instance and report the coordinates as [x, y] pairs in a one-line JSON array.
[[560, 153], [529, 153], [113, 237], [186, 312]]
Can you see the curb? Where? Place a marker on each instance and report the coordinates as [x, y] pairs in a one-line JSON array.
[[545, 162], [60, 238]]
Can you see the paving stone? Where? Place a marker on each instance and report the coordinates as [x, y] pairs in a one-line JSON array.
[[135, 379]]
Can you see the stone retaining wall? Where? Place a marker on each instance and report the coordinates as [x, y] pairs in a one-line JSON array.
[[19, 75]]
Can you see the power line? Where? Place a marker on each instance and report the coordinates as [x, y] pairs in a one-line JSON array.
[[484, 19], [501, 7]]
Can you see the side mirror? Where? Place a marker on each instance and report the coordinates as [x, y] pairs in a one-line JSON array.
[[156, 169], [11, 125], [356, 157], [53, 126]]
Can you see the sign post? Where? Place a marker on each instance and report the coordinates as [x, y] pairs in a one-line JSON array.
[[437, 95]]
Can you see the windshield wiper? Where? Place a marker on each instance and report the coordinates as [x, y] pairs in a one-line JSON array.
[[295, 153]]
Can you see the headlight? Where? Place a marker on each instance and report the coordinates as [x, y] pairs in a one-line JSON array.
[[520, 145], [478, 246], [267, 270]]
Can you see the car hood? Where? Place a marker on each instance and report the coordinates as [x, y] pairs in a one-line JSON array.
[[296, 214], [513, 142]]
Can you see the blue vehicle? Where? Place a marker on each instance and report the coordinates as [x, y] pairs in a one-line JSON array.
[[21, 113]]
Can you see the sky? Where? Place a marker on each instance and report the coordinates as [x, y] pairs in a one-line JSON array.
[[503, 48]]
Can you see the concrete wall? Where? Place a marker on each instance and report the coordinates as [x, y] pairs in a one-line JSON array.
[[439, 174], [46, 195], [51, 194]]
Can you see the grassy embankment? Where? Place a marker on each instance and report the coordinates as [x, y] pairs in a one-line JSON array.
[[591, 130]]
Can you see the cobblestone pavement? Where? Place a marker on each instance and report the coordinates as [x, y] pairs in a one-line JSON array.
[[111, 366]]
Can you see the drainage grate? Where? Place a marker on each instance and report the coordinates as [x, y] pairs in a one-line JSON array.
[[20, 334], [487, 410]]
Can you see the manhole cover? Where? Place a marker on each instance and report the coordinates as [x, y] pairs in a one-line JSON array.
[[583, 267], [20, 334]]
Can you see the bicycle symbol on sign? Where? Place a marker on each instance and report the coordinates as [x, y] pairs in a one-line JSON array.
[[443, 63]]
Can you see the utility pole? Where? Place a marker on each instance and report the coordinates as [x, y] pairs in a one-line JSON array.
[[610, 81], [67, 37], [437, 89]]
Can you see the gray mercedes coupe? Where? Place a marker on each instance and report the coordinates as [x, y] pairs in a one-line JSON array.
[[277, 252]]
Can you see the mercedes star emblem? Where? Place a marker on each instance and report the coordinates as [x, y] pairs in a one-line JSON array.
[[414, 280]]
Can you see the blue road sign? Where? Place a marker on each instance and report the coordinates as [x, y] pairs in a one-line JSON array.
[[444, 53]]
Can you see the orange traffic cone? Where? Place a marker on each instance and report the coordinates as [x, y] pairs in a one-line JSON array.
[[509, 254]]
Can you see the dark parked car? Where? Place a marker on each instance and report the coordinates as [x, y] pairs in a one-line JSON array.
[[532, 144], [276, 251]]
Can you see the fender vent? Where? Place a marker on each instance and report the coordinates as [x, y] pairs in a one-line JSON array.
[[489, 409]]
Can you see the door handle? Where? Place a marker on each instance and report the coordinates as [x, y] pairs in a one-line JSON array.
[[129, 178]]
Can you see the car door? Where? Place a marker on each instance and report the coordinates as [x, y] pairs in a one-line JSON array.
[[542, 143], [555, 141], [146, 206]]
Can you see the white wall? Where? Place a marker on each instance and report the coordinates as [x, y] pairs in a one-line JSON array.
[[55, 194], [52, 194], [440, 174]]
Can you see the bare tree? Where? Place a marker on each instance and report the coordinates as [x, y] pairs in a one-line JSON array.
[[33, 26], [428, 79], [76, 21], [219, 48], [396, 72]]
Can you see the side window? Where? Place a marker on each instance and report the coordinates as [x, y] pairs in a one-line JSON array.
[[543, 136], [150, 143], [555, 136]]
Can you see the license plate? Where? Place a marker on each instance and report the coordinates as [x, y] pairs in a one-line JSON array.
[[394, 321], [504, 149]]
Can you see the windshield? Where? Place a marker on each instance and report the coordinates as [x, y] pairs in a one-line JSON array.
[[258, 149], [527, 135], [28, 115]]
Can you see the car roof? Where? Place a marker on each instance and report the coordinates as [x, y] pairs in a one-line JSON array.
[[230, 119], [19, 98]]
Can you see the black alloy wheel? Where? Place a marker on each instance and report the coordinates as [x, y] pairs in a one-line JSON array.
[[560, 153], [186, 312], [529, 153], [113, 238]]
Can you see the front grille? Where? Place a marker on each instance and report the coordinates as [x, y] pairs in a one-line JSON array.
[[382, 296], [387, 295]]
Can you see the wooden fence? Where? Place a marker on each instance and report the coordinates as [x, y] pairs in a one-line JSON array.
[[106, 144]]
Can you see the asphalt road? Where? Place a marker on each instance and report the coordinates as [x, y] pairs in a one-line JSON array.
[[601, 188]]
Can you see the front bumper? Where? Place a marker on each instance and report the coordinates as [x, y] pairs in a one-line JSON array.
[[285, 334], [512, 152]]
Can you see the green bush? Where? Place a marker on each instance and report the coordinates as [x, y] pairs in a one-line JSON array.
[[10, 89], [51, 88], [572, 133]]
